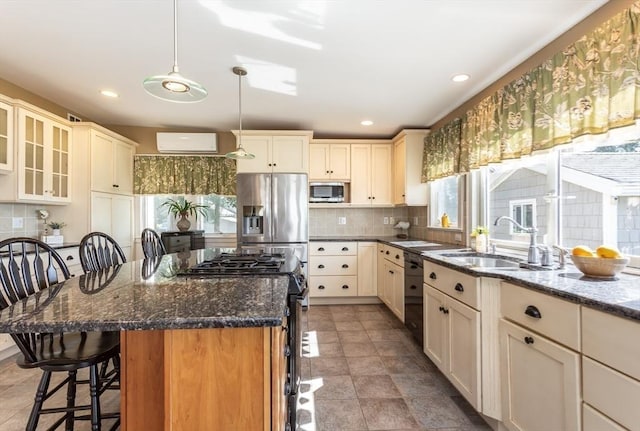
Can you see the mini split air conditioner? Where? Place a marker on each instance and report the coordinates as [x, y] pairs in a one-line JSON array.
[[179, 143]]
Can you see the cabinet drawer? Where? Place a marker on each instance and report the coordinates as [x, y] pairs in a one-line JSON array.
[[71, 257], [333, 265], [393, 254], [611, 340], [553, 317], [463, 287], [333, 286], [593, 420], [345, 248], [611, 393], [175, 241]]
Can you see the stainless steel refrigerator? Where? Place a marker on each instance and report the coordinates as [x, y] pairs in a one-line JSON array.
[[273, 211]]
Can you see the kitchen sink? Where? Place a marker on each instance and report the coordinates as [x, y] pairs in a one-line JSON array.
[[487, 262]]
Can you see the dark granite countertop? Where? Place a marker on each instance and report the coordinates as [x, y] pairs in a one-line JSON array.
[[145, 295], [620, 296]]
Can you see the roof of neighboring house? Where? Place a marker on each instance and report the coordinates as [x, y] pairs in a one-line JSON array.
[[618, 167]]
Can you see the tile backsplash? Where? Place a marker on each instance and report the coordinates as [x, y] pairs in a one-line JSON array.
[[358, 221], [25, 214]]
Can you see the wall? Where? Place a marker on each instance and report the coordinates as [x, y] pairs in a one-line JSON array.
[[359, 221], [32, 225], [421, 231]]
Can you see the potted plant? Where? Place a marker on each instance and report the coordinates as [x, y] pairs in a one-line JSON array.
[[56, 226], [184, 208]]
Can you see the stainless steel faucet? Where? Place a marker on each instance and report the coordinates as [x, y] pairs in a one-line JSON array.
[[534, 256], [563, 253]]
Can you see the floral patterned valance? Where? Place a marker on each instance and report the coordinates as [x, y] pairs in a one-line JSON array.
[[184, 175], [589, 88]]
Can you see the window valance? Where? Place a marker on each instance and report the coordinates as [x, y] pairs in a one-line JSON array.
[[188, 175], [589, 88]]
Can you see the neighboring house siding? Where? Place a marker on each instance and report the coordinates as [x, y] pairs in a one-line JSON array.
[[629, 224], [523, 184], [581, 217]]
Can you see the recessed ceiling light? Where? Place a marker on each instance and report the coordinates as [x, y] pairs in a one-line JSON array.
[[460, 78], [366, 122], [109, 93]]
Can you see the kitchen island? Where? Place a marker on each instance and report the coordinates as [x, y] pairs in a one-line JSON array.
[[197, 354]]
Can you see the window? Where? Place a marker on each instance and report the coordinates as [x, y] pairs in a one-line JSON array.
[[221, 213], [444, 200], [577, 195], [524, 212]]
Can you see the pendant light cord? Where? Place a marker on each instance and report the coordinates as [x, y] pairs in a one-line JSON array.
[[240, 108], [175, 36]]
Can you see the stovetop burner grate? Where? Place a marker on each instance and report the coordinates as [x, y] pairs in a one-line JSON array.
[[242, 263]]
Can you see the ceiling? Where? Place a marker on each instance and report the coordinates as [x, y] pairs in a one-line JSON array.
[[317, 65]]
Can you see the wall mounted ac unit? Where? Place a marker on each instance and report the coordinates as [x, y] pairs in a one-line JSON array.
[[182, 143]]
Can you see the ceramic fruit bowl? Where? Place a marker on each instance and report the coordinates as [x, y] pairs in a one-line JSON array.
[[599, 267]]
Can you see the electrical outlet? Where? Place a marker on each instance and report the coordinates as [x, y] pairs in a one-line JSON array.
[[392, 220], [17, 223], [342, 220], [385, 220], [415, 221]]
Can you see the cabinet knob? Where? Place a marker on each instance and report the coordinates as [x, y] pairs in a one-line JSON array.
[[528, 340], [345, 248], [344, 286], [441, 308], [321, 287], [321, 266], [433, 276], [397, 256], [390, 272], [446, 311], [413, 286], [533, 311], [387, 251], [320, 248], [115, 185], [345, 265], [331, 171], [69, 257], [459, 287], [373, 197]]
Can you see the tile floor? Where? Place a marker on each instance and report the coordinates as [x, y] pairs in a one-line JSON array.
[[362, 370]]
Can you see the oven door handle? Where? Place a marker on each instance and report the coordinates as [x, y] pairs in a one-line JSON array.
[[303, 294]]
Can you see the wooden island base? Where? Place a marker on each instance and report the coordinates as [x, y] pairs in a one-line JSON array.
[[203, 379]]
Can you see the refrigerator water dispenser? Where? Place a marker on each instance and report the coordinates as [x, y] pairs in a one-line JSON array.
[[252, 221]]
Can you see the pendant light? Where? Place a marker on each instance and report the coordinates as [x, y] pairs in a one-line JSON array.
[[173, 86], [240, 153]]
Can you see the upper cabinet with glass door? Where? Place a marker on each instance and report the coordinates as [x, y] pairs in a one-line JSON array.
[[6, 138], [44, 151]]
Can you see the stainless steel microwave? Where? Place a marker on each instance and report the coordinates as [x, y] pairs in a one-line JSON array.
[[326, 192]]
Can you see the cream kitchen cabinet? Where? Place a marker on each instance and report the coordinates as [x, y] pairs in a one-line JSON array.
[[452, 328], [113, 215], [109, 211], [6, 138], [540, 376], [407, 159], [111, 160], [329, 161], [275, 151], [371, 182], [367, 269], [44, 158], [333, 269], [391, 291], [610, 371]]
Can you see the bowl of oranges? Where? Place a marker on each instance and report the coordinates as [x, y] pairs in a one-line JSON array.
[[603, 262]]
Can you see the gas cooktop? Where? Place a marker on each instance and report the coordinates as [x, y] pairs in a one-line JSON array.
[[245, 262]]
